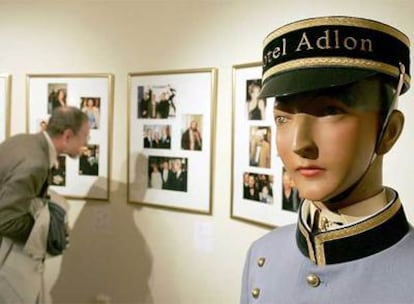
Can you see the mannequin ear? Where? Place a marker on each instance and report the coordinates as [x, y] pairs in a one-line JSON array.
[[392, 132]]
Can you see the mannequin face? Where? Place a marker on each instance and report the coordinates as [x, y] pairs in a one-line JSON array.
[[326, 139]]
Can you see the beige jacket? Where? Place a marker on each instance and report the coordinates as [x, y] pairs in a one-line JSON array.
[[21, 267]]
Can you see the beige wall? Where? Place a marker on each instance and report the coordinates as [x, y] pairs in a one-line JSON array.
[[133, 254]]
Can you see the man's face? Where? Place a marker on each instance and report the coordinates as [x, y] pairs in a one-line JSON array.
[[326, 141], [76, 142]]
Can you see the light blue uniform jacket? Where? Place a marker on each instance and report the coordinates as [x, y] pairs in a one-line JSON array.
[[355, 265]]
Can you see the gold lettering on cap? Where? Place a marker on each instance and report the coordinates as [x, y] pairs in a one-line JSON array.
[[304, 41], [332, 39], [366, 42], [329, 39], [323, 41], [350, 43], [275, 53]]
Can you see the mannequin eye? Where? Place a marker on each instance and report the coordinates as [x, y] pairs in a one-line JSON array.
[[280, 120], [332, 110]]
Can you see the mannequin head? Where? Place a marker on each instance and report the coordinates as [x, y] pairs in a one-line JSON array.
[[335, 93], [328, 139]]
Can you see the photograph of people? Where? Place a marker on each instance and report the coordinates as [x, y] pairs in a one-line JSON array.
[[290, 194], [258, 187], [260, 148], [59, 172], [157, 137], [167, 173], [90, 106], [156, 101], [89, 161], [191, 138], [255, 106], [56, 96]]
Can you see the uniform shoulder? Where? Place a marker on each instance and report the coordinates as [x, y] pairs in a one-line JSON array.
[[277, 236]]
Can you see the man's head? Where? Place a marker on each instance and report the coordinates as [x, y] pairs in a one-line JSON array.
[[177, 165], [68, 128], [193, 125], [335, 88]]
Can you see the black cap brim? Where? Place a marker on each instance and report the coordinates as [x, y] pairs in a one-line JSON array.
[[305, 80]]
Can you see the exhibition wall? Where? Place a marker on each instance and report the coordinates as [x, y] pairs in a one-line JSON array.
[[124, 252]]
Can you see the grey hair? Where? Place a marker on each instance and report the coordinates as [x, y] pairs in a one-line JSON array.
[[64, 118]]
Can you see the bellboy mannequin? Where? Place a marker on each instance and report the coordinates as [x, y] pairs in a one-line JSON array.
[[336, 81]]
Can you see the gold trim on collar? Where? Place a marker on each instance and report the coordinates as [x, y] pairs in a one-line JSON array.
[[352, 230], [306, 234]]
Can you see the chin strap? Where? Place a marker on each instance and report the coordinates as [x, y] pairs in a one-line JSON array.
[[380, 137], [392, 106]]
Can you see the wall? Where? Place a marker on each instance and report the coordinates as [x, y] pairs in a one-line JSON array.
[[132, 254]]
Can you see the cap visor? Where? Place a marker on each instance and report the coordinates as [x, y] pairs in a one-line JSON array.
[[305, 80]]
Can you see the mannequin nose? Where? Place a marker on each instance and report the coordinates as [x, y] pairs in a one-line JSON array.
[[303, 142]]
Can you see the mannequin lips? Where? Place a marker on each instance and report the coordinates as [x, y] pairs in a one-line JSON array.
[[310, 171]]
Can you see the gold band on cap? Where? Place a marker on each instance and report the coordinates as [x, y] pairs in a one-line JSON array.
[[335, 62], [348, 21]]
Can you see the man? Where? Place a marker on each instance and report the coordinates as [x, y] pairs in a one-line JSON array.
[[144, 104], [335, 81], [28, 221], [191, 138], [148, 138], [88, 162], [179, 177]]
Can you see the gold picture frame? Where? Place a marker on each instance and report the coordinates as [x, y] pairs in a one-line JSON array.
[[257, 193], [171, 131], [87, 177], [5, 100]]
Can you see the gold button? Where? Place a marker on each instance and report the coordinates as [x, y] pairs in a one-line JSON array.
[[313, 280], [261, 261], [256, 292]]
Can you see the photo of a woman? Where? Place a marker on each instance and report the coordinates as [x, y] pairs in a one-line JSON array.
[[255, 105], [57, 93], [90, 106]]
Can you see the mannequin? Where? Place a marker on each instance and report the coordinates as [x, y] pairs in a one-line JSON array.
[[335, 121]]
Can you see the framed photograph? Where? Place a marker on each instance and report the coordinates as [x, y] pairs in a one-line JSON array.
[[261, 193], [87, 177], [170, 139], [5, 91]]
